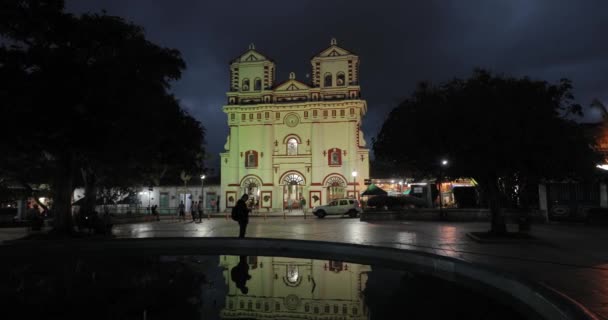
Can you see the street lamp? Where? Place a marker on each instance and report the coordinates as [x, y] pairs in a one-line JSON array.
[[355, 183], [444, 163]]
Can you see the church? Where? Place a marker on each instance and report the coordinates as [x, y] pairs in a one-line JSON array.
[[293, 139]]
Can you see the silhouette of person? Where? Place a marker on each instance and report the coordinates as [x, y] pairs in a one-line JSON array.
[[240, 274], [242, 214]]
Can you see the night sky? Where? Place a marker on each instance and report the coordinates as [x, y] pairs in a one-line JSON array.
[[399, 43]]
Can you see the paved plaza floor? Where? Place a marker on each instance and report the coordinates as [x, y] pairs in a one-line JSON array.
[[570, 258]]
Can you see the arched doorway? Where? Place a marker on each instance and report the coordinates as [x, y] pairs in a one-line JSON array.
[[251, 187], [293, 184], [336, 188]]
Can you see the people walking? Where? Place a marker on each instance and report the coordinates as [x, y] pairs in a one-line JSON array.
[[241, 215]]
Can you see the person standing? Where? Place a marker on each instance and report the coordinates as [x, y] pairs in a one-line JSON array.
[[182, 210], [289, 204], [242, 215], [240, 274], [303, 205], [193, 211]]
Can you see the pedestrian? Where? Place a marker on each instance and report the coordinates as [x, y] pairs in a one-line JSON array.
[[303, 205], [199, 208], [182, 210], [241, 215], [155, 212], [193, 211], [240, 274], [289, 204]]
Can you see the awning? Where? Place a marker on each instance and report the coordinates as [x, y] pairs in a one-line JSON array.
[[373, 190]]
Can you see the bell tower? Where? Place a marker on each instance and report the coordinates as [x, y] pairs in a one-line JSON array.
[[251, 74], [335, 67]]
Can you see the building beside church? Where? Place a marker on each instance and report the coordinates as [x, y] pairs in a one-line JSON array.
[[291, 140]]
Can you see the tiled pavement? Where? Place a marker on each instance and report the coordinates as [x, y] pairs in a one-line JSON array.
[[570, 258]]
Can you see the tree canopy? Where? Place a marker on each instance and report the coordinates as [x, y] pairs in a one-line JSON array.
[[505, 132], [89, 96]]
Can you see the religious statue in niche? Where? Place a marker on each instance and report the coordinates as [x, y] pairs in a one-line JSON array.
[[251, 160], [335, 157]]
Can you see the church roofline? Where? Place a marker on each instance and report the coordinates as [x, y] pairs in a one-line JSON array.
[[248, 50]]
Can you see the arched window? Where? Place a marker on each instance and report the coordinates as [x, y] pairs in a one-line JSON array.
[[328, 80], [292, 147], [245, 86], [257, 84], [340, 81]]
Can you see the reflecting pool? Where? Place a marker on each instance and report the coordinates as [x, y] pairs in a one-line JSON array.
[[231, 287]]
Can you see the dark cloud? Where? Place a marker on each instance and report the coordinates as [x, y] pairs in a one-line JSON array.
[[399, 42]]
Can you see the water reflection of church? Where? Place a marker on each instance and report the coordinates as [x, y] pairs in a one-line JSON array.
[[297, 138], [291, 288]]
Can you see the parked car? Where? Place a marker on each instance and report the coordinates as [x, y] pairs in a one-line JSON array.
[[348, 206]]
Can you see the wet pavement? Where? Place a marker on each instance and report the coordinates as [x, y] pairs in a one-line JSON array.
[[570, 258]]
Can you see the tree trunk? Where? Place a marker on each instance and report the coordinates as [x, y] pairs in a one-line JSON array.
[[498, 224], [62, 199]]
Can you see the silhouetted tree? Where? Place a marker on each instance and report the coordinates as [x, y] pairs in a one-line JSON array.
[[507, 133], [88, 97]]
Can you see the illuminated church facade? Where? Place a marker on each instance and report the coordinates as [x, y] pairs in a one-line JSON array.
[[291, 140]]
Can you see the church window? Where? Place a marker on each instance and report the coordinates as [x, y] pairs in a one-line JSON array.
[[305, 114], [292, 147], [267, 115], [342, 113], [245, 86], [314, 113], [257, 84], [352, 111], [278, 115], [325, 113], [251, 116], [259, 116], [333, 113], [232, 116], [328, 80], [243, 117], [340, 81]]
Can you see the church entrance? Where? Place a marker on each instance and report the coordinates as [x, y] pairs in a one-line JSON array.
[[336, 188], [251, 187], [293, 185]]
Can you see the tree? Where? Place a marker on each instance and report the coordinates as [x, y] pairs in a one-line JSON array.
[[89, 99], [507, 133]]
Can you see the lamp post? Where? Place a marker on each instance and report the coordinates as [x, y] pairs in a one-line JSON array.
[[444, 163], [200, 218], [355, 183]]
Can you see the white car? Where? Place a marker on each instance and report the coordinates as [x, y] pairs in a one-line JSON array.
[[348, 206]]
